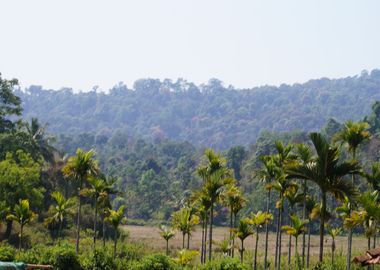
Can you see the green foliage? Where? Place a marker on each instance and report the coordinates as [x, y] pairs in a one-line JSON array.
[[156, 262], [100, 260], [224, 264], [7, 253]]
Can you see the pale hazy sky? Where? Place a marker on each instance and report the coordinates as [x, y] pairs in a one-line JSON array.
[[82, 43]]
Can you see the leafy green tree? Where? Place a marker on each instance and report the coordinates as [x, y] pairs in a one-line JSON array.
[[116, 218], [328, 173], [10, 104], [184, 220], [258, 220], [235, 158], [166, 233], [333, 232], [373, 177], [23, 216], [79, 168], [242, 231], [353, 134], [58, 213]]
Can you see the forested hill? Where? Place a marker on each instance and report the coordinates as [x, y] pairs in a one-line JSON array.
[[206, 115]]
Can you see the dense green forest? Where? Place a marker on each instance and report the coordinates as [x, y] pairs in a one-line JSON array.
[[209, 115]]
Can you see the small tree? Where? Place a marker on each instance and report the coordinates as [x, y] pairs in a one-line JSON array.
[[167, 233], [23, 216], [116, 218], [333, 232], [243, 230]]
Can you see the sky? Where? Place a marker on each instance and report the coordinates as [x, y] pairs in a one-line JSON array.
[[245, 43]]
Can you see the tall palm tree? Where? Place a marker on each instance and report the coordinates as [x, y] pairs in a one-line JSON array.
[[79, 168], [167, 233], [352, 135], [233, 198], [304, 156], [99, 190], [266, 176], [58, 212], [23, 216], [215, 177], [116, 218], [258, 220], [333, 232], [328, 174], [296, 229], [242, 231]]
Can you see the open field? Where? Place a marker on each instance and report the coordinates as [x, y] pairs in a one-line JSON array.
[[150, 236]]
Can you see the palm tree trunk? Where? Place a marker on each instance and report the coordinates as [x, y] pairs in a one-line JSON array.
[[203, 239], [167, 247], [205, 243], [8, 230], [183, 240], [78, 225], [231, 227], [296, 252], [104, 231], [277, 237], [210, 232], [242, 251], [369, 247], [322, 227], [20, 238], [60, 231], [266, 234], [304, 217], [332, 251], [308, 247], [349, 238], [256, 245], [290, 250], [279, 240], [233, 240], [188, 241], [95, 221], [115, 243]]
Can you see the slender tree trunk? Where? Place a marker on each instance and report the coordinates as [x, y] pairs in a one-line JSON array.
[[369, 247], [205, 244], [279, 241], [296, 252], [104, 231], [60, 231], [188, 240], [322, 227], [231, 227], [78, 225], [349, 238], [290, 250], [233, 239], [210, 232], [304, 218], [8, 230], [95, 221], [308, 246], [332, 251], [203, 239], [256, 245], [242, 251], [167, 247], [20, 238], [115, 243], [266, 234], [277, 237], [183, 240]]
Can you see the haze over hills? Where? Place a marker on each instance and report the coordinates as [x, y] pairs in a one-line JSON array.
[[206, 115]]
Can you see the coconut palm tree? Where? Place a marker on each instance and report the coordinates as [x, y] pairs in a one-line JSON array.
[[296, 229], [352, 135], [167, 233], [233, 198], [63, 207], [23, 216], [79, 168], [243, 230], [266, 176], [116, 218], [328, 173], [258, 220], [333, 232], [99, 190]]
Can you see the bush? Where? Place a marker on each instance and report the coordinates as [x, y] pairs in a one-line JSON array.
[[7, 253], [64, 257], [156, 262], [100, 260], [224, 264]]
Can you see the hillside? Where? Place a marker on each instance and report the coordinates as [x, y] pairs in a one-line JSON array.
[[206, 115]]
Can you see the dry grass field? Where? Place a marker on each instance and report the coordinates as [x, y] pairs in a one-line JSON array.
[[151, 237]]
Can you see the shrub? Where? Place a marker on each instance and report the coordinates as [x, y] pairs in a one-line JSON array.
[[64, 257], [156, 262], [100, 260], [224, 264], [7, 253]]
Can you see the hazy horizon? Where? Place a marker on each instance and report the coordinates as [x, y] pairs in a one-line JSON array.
[[81, 44]]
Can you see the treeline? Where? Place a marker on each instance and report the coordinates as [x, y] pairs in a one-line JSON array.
[[210, 115]]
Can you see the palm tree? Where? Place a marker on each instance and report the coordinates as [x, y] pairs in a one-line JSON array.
[[328, 174], [267, 175], [243, 230], [296, 229], [23, 216], [370, 203], [116, 218], [310, 205], [167, 233], [304, 156], [62, 208], [333, 232], [184, 220], [233, 198], [79, 168], [258, 220], [99, 190], [352, 135], [215, 177], [4, 211]]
